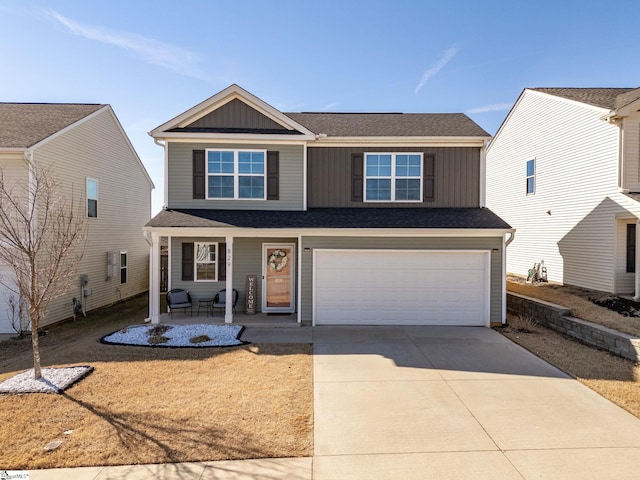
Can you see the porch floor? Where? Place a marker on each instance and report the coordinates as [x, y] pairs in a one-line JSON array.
[[240, 318]]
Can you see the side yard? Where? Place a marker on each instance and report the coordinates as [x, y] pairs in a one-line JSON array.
[[614, 378], [152, 405]]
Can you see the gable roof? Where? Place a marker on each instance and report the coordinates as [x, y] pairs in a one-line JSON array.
[[389, 124], [22, 125], [445, 218], [611, 98], [227, 113]]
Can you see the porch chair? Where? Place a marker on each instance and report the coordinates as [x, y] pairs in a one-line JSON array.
[[179, 299], [220, 300]]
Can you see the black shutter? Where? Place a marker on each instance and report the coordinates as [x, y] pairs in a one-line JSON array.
[[222, 261], [273, 175], [357, 177], [187, 261], [429, 176], [631, 247], [199, 173]]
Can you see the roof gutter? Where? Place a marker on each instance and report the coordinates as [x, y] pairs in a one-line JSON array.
[[159, 142]]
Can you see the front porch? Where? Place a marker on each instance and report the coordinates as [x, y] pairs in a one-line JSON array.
[[240, 318]]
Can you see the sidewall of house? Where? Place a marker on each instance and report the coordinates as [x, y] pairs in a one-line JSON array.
[[571, 222], [96, 149]]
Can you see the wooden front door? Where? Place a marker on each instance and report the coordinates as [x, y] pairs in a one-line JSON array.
[[278, 278]]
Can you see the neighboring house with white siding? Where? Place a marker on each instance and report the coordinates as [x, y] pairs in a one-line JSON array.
[[330, 218], [92, 157], [564, 170]]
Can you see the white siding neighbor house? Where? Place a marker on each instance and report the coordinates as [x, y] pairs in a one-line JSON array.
[[564, 170], [86, 147]]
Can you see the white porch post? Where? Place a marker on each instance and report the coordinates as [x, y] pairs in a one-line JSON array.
[[154, 279], [636, 293], [228, 309]]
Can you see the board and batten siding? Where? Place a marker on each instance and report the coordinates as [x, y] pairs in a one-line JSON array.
[[247, 260], [96, 148], [457, 176], [236, 114], [180, 192], [394, 243], [570, 220]]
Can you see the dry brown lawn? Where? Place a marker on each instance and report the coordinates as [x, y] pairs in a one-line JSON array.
[[615, 378], [153, 405]]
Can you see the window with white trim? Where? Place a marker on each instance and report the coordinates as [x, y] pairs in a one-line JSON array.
[[236, 174], [531, 177], [393, 177], [92, 198], [206, 263], [124, 265]]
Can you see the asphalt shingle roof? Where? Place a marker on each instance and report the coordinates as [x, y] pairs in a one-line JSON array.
[[611, 98], [450, 218], [390, 124], [22, 125]]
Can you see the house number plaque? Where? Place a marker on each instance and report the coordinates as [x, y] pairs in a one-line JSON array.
[[250, 306]]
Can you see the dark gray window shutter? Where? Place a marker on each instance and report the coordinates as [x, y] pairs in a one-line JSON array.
[[222, 262], [631, 247], [187, 261], [199, 173], [357, 176], [273, 175], [429, 176]]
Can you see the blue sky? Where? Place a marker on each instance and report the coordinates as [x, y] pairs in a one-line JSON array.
[[152, 60]]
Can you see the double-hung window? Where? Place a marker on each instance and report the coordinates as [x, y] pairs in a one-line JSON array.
[[236, 174], [206, 262], [124, 260], [393, 177], [531, 177], [92, 198]]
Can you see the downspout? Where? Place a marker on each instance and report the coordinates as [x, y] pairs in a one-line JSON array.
[[166, 169], [483, 174], [507, 242], [636, 294]]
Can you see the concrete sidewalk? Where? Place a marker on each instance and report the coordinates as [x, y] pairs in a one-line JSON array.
[[430, 402]]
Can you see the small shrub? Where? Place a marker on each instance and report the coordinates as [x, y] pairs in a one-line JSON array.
[[523, 323], [200, 339], [157, 339], [159, 330]]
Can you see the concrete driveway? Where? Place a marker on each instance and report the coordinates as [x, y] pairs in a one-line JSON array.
[[458, 403]]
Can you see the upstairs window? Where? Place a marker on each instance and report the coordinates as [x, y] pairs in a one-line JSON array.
[[124, 260], [393, 177], [531, 177], [206, 262], [236, 174], [92, 198]]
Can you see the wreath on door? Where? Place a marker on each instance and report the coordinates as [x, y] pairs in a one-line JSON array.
[[278, 260]]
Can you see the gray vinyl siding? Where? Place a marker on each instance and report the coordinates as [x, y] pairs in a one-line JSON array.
[[455, 243], [97, 149], [457, 176], [181, 178], [247, 260], [236, 114]]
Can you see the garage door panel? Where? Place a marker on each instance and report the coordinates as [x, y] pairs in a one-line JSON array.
[[402, 288]]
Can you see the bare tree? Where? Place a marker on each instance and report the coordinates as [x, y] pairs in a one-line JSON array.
[[42, 240]]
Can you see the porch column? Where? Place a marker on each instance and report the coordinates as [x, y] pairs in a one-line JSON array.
[[636, 293], [228, 309], [154, 279]]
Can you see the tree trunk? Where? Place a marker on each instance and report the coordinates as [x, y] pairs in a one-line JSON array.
[[35, 343]]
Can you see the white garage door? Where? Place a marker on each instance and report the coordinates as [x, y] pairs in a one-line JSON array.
[[9, 309], [390, 287]]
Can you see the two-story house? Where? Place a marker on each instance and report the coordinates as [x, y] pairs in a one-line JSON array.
[[343, 218], [564, 170], [87, 150]]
